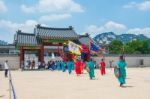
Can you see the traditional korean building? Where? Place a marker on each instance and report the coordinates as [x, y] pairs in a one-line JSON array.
[[44, 42]]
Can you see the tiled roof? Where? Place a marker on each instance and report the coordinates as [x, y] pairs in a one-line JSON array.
[[26, 39], [84, 39], [56, 33]]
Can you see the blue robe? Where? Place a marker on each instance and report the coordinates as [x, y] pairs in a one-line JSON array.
[[58, 65], [70, 65], [91, 65], [121, 65], [63, 66]]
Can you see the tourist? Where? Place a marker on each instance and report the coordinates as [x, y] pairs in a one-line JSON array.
[[70, 65], [53, 65], [44, 65], [39, 65], [90, 66], [57, 64], [29, 64], [102, 65], [33, 64], [111, 63], [6, 68], [121, 64], [22, 65], [78, 67], [49, 65], [26, 65]]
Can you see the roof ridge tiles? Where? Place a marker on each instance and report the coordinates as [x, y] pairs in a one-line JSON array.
[[23, 33], [54, 28]]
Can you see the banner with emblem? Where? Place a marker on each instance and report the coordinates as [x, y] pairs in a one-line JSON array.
[[74, 48]]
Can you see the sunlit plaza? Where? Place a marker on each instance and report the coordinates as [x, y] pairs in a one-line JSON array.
[[74, 49], [58, 85]]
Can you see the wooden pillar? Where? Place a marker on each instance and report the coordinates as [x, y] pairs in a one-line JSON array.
[[21, 56], [42, 53], [39, 55]]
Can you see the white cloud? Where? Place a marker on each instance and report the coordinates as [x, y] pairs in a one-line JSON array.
[[145, 31], [143, 6], [27, 9], [109, 26], [12, 27], [93, 30], [53, 9], [3, 7], [116, 28], [49, 6], [54, 17]]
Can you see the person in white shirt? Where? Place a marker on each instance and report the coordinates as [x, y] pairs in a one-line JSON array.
[[6, 68]]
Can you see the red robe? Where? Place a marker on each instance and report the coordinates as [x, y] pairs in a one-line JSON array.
[[78, 67], [82, 65], [103, 65]]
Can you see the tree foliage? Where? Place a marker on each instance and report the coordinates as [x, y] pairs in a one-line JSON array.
[[133, 47], [115, 47]]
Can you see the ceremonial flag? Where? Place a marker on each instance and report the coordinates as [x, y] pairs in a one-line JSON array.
[[74, 48], [94, 48]]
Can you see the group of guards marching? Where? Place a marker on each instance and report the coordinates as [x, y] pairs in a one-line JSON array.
[[79, 65]]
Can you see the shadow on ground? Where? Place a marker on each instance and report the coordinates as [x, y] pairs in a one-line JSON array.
[[2, 96]]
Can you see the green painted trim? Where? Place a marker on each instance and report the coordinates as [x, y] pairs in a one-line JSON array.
[[27, 47], [55, 40]]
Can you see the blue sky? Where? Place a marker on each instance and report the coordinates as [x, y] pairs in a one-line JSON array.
[[91, 16]]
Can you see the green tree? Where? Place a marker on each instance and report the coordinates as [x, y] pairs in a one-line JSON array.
[[145, 49], [138, 47], [133, 46], [116, 47], [128, 49]]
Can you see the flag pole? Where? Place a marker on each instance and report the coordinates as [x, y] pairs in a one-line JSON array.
[[9, 84], [11, 87], [89, 47]]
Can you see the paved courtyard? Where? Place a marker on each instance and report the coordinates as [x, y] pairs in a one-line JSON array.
[[58, 85]]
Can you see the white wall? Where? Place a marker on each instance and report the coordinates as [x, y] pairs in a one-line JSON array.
[[13, 61], [131, 61]]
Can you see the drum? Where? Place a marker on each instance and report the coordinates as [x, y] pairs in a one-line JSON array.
[[116, 72], [87, 69]]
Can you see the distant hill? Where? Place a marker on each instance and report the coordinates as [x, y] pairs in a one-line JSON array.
[[107, 37], [3, 42]]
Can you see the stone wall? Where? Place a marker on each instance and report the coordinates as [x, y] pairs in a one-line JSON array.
[[132, 61], [13, 61]]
